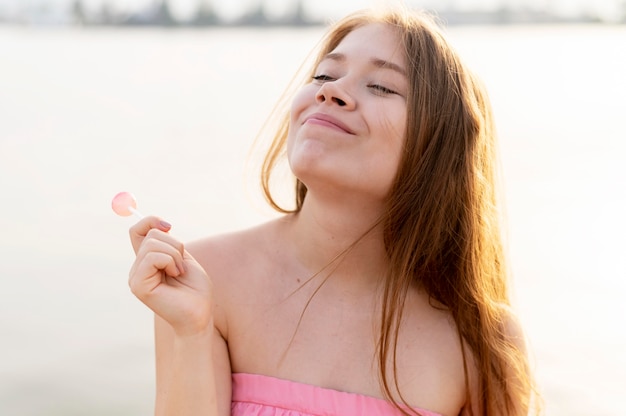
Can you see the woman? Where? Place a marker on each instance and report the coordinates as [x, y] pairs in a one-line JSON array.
[[384, 290]]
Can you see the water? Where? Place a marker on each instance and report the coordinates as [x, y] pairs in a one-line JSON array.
[[171, 116]]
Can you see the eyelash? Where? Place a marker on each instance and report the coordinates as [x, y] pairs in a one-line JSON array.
[[322, 78], [379, 88], [382, 89]]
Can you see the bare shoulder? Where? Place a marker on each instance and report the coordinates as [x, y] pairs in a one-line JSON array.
[[234, 250], [512, 327], [236, 263]]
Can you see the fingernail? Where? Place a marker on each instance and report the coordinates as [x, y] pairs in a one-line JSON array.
[[165, 224]]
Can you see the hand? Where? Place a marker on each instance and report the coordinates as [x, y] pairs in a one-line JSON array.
[[168, 280]]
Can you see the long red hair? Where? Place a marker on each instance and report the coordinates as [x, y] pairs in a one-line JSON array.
[[441, 226]]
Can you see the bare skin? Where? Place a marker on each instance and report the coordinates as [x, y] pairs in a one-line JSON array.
[[259, 294], [333, 346], [266, 301]]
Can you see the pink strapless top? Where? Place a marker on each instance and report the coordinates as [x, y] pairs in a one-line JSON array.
[[257, 395]]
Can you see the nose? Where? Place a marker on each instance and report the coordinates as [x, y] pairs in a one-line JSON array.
[[332, 93]]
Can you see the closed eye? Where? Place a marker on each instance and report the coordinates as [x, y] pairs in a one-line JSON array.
[[323, 78], [381, 89]]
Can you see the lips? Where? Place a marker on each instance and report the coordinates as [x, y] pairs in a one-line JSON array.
[[328, 121]]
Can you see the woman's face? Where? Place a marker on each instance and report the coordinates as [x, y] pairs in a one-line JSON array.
[[347, 125]]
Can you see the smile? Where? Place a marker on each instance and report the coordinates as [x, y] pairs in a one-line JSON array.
[[322, 119]]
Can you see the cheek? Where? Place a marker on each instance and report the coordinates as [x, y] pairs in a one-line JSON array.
[[396, 134], [301, 101], [392, 125], [399, 126]]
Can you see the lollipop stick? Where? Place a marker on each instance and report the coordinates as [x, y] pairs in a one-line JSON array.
[[136, 213]]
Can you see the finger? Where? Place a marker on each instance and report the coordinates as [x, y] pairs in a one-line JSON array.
[[147, 273], [157, 241], [139, 231], [167, 238]]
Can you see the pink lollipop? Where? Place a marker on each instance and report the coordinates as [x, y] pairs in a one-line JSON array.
[[124, 204]]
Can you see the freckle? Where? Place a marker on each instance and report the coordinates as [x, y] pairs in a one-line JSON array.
[[298, 280]]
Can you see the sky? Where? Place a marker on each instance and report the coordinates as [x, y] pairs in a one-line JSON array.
[[334, 8]]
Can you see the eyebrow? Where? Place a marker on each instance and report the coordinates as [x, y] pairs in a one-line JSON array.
[[377, 62]]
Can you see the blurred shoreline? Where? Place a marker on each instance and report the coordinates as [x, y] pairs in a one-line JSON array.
[[161, 13]]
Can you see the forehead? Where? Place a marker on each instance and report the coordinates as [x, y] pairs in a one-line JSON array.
[[378, 40]]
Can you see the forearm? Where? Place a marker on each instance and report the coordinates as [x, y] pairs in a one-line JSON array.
[[190, 388]]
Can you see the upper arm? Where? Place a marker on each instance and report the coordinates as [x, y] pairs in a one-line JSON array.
[[520, 381], [473, 402], [223, 377], [517, 381], [164, 342]]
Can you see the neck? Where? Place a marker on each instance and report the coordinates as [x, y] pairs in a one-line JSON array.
[[337, 234]]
